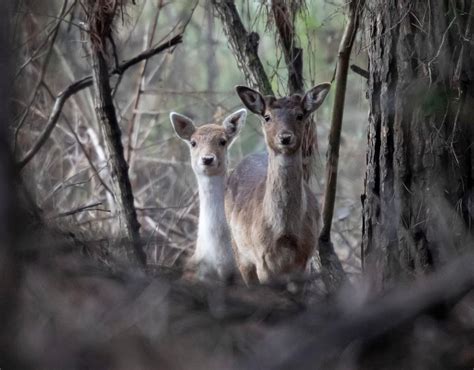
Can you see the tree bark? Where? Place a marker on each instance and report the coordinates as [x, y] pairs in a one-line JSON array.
[[418, 201]]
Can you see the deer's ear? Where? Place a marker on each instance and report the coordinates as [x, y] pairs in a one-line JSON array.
[[315, 97], [233, 124], [252, 99], [183, 126]]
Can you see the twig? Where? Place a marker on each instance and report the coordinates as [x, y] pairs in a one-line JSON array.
[[89, 207], [81, 145], [86, 82], [140, 88], [63, 12], [360, 71]]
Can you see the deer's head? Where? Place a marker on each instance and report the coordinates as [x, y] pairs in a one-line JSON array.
[[283, 119], [209, 143]]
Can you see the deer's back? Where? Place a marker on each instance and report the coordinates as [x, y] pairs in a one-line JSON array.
[[246, 183]]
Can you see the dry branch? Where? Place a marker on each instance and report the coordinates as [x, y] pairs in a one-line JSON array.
[[81, 145], [88, 207], [86, 82], [333, 273], [360, 71], [141, 88], [364, 326], [43, 68], [244, 45], [284, 22]]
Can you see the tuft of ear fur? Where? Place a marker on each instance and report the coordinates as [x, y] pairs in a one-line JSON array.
[[314, 97], [182, 125], [252, 99], [233, 124]]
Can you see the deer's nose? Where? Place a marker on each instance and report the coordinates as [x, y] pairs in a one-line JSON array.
[[285, 138], [207, 160]]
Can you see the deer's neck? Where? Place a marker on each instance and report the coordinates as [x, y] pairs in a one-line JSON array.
[[284, 200], [213, 245]]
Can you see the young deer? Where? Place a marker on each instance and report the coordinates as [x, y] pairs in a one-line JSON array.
[[273, 214], [208, 145]]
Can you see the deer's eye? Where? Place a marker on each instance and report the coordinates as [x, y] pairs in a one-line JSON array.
[[193, 143], [222, 142], [267, 118], [299, 117]]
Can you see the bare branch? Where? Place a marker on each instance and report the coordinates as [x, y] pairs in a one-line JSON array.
[[360, 71], [140, 88], [284, 22], [86, 82], [81, 145], [89, 207], [63, 12], [244, 45]]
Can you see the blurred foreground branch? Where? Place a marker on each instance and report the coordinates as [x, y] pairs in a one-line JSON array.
[[359, 329], [84, 83]]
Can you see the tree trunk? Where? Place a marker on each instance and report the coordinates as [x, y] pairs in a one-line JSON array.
[[12, 218], [332, 272], [418, 201], [100, 31]]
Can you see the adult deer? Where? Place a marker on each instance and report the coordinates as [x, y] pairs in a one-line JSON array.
[[273, 214], [208, 146]]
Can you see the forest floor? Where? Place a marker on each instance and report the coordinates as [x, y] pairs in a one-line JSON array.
[[72, 312]]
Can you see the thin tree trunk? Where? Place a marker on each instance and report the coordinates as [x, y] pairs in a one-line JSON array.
[[106, 115], [335, 276], [419, 189]]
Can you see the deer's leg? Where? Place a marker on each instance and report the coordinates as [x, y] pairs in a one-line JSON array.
[[249, 274], [247, 269], [263, 272]]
